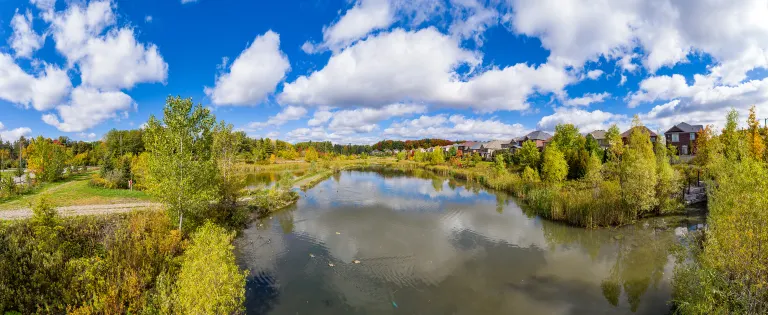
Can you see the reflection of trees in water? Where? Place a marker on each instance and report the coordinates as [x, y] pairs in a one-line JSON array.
[[502, 200], [639, 254], [437, 184]]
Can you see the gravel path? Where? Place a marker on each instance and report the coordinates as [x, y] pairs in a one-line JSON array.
[[81, 210]]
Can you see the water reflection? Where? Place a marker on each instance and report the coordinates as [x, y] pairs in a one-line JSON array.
[[429, 245]]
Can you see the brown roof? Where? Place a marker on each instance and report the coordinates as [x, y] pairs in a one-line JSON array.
[[628, 132]]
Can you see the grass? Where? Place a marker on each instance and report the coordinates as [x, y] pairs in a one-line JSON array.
[[75, 191]]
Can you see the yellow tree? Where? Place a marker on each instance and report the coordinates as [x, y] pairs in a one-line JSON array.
[[4, 155], [754, 139]]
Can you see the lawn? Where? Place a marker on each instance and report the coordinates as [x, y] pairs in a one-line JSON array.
[[75, 191]]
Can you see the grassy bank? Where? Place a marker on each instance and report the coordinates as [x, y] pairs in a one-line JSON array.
[[579, 203], [74, 191]]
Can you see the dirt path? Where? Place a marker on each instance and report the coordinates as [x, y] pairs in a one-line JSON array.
[[81, 210]]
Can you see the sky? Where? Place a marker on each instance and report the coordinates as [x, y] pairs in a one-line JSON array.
[[358, 71]]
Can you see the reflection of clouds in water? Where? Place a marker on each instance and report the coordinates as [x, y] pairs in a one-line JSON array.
[[438, 248], [259, 249]]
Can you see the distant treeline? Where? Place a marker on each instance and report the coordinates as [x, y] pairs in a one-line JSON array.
[[410, 144]]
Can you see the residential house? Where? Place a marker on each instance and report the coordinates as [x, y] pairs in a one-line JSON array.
[[683, 136], [625, 135], [489, 149], [599, 136], [512, 145], [541, 139], [475, 148], [464, 147]]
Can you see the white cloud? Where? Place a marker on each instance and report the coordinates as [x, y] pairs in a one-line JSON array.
[[704, 101], [471, 18], [188, 1], [455, 127], [13, 134], [88, 107], [594, 74], [587, 99], [87, 136], [42, 92], [320, 117], [364, 17], [735, 33], [363, 120], [148, 19], [44, 5], [253, 75], [586, 121], [320, 134], [114, 60], [24, 40], [421, 67], [287, 114]]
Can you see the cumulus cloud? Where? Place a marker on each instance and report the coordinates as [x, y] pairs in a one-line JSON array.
[[43, 91], [287, 114], [253, 75], [419, 66], [587, 99], [111, 60], [735, 33], [87, 108], [188, 1], [471, 18], [364, 17], [585, 120], [320, 117], [24, 40], [320, 134], [13, 134], [364, 120], [454, 127], [594, 74], [703, 101], [44, 5]]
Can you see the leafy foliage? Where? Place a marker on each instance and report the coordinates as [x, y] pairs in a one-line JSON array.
[[554, 168]]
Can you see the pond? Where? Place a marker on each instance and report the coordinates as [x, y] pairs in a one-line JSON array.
[[267, 179], [383, 242]]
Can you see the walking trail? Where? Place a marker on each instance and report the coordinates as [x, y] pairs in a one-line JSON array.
[[25, 213]]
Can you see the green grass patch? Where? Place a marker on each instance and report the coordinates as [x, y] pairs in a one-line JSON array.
[[75, 191]]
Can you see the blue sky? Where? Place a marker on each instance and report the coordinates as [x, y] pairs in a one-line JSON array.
[[363, 70]]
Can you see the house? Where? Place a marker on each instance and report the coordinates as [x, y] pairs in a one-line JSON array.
[[475, 148], [625, 135], [489, 149], [511, 145], [683, 136], [599, 136], [464, 147], [539, 137]]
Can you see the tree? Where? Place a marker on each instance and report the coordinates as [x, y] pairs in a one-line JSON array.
[[209, 281], [638, 171], [310, 155], [592, 145], [705, 146], [182, 168], [669, 182], [529, 155], [452, 152], [46, 159], [530, 175], [554, 168], [437, 157], [593, 170], [754, 138], [615, 143], [733, 144], [225, 144], [566, 138], [499, 164], [5, 154]]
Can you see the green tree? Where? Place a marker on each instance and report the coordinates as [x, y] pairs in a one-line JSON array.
[[669, 182], [566, 138], [401, 155], [613, 153], [638, 171], [182, 168], [225, 148], [594, 170], [46, 159], [734, 145], [530, 175], [209, 281], [499, 164], [452, 152], [437, 157], [529, 155], [554, 168]]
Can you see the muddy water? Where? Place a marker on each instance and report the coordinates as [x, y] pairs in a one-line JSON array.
[[385, 242]]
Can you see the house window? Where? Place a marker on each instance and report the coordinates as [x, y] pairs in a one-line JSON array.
[[693, 136], [675, 137]]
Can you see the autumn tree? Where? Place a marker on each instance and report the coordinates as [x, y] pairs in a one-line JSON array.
[[638, 171], [46, 159], [754, 138], [614, 152], [310, 155], [554, 168], [209, 281], [734, 145], [668, 180], [224, 147], [182, 169]]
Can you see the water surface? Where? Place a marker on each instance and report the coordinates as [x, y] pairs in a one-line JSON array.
[[427, 245]]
